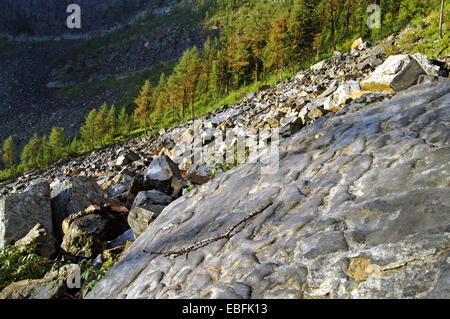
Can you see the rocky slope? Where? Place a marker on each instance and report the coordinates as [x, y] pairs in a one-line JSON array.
[[358, 207]]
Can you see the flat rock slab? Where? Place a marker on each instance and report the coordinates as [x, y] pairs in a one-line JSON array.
[[359, 208]]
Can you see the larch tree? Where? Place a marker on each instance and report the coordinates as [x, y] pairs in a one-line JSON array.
[[207, 65], [258, 34], [45, 154], [180, 84], [161, 95], [8, 151], [88, 130], [277, 46], [101, 123], [57, 142], [123, 122], [28, 158], [111, 124], [193, 75], [301, 30], [144, 108]]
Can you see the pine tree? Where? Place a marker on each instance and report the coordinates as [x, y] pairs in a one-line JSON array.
[[8, 151], [332, 10], [238, 52]]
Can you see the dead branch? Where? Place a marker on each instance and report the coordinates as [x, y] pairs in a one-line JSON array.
[[208, 241]]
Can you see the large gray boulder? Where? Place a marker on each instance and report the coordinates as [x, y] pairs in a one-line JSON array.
[[19, 213], [73, 195], [163, 169], [359, 208], [397, 73]]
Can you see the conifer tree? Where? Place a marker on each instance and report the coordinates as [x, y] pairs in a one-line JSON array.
[[301, 31], [258, 35], [101, 124], [28, 158], [277, 46], [57, 143], [208, 60], [74, 146], [88, 131], [161, 95], [8, 151], [193, 75], [179, 83], [123, 122], [111, 124], [45, 154], [145, 106]]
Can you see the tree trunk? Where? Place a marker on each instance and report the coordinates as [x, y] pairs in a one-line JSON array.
[[183, 108], [333, 36], [192, 105], [292, 67], [441, 18], [207, 89], [347, 22]]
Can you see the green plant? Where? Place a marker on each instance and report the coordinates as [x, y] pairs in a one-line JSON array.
[[19, 263], [188, 187], [91, 275]]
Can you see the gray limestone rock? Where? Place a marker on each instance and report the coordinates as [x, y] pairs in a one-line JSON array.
[[397, 73], [359, 208], [19, 213]]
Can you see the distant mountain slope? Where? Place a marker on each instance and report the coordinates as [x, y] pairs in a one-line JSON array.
[[32, 71], [48, 17]]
